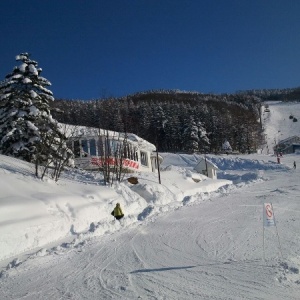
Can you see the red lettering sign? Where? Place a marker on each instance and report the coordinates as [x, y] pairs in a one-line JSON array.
[[112, 162]]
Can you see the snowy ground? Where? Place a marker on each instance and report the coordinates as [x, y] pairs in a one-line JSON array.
[[179, 240], [36, 213]]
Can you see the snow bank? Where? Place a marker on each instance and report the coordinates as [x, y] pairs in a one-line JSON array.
[[35, 213], [238, 163]]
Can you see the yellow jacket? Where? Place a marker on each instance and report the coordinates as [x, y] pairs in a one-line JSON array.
[[117, 211]]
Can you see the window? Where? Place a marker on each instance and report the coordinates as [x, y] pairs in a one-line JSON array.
[[100, 147], [136, 156], [144, 158], [112, 147], [93, 147], [85, 149]]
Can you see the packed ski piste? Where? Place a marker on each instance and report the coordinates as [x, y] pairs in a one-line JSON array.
[[190, 237]]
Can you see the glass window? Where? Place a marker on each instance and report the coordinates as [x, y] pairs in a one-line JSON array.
[[84, 147], [100, 147], [144, 160], [93, 147], [125, 151]]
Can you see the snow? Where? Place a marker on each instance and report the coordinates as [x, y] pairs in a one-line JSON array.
[[33, 94], [34, 111], [32, 69], [190, 237], [20, 57], [22, 67], [42, 212], [78, 131], [27, 80], [17, 76]]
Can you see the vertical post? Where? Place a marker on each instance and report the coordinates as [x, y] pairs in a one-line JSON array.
[[206, 165], [157, 161], [277, 233], [263, 223]]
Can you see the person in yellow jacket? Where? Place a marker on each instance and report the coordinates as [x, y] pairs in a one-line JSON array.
[[117, 212]]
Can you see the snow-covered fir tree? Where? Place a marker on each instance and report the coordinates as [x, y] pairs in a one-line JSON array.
[[27, 129], [190, 136], [226, 147], [203, 140]]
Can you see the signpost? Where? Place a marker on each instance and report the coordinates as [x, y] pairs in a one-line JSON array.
[[269, 220]]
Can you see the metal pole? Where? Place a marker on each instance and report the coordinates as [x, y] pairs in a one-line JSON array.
[[277, 232], [264, 233]]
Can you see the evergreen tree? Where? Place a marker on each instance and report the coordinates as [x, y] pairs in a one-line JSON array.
[[226, 147], [190, 136], [143, 119], [173, 128], [203, 140], [27, 129], [158, 124]]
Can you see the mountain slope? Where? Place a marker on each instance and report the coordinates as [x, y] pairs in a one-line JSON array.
[[277, 123]]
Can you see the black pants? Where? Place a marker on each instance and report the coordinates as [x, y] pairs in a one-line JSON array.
[[119, 217]]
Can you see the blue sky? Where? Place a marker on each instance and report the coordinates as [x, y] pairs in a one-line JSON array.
[[90, 49]]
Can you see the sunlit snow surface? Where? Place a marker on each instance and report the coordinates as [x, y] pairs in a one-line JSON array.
[[188, 238]]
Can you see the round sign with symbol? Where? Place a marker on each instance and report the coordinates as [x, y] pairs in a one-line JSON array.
[[268, 215], [269, 210]]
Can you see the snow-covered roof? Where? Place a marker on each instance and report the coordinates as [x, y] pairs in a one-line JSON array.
[[289, 139], [208, 162], [74, 132]]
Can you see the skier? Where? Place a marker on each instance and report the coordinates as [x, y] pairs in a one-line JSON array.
[[294, 165], [117, 212]]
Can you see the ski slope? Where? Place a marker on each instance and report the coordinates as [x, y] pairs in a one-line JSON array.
[[277, 123]]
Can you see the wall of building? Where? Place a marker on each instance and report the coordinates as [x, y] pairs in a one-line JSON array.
[[90, 153]]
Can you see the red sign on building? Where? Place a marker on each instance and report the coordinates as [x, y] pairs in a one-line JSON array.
[[112, 162]]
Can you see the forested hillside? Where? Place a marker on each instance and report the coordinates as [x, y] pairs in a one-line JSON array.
[[292, 94], [173, 120]]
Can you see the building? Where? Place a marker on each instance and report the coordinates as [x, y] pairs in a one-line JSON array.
[[93, 148], [289, 145], [207, 168]]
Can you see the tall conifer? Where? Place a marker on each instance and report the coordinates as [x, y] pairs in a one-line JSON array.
[[27, 129]]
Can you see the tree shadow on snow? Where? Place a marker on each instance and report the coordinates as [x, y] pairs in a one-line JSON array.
[[161, 269], [230, 262]]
